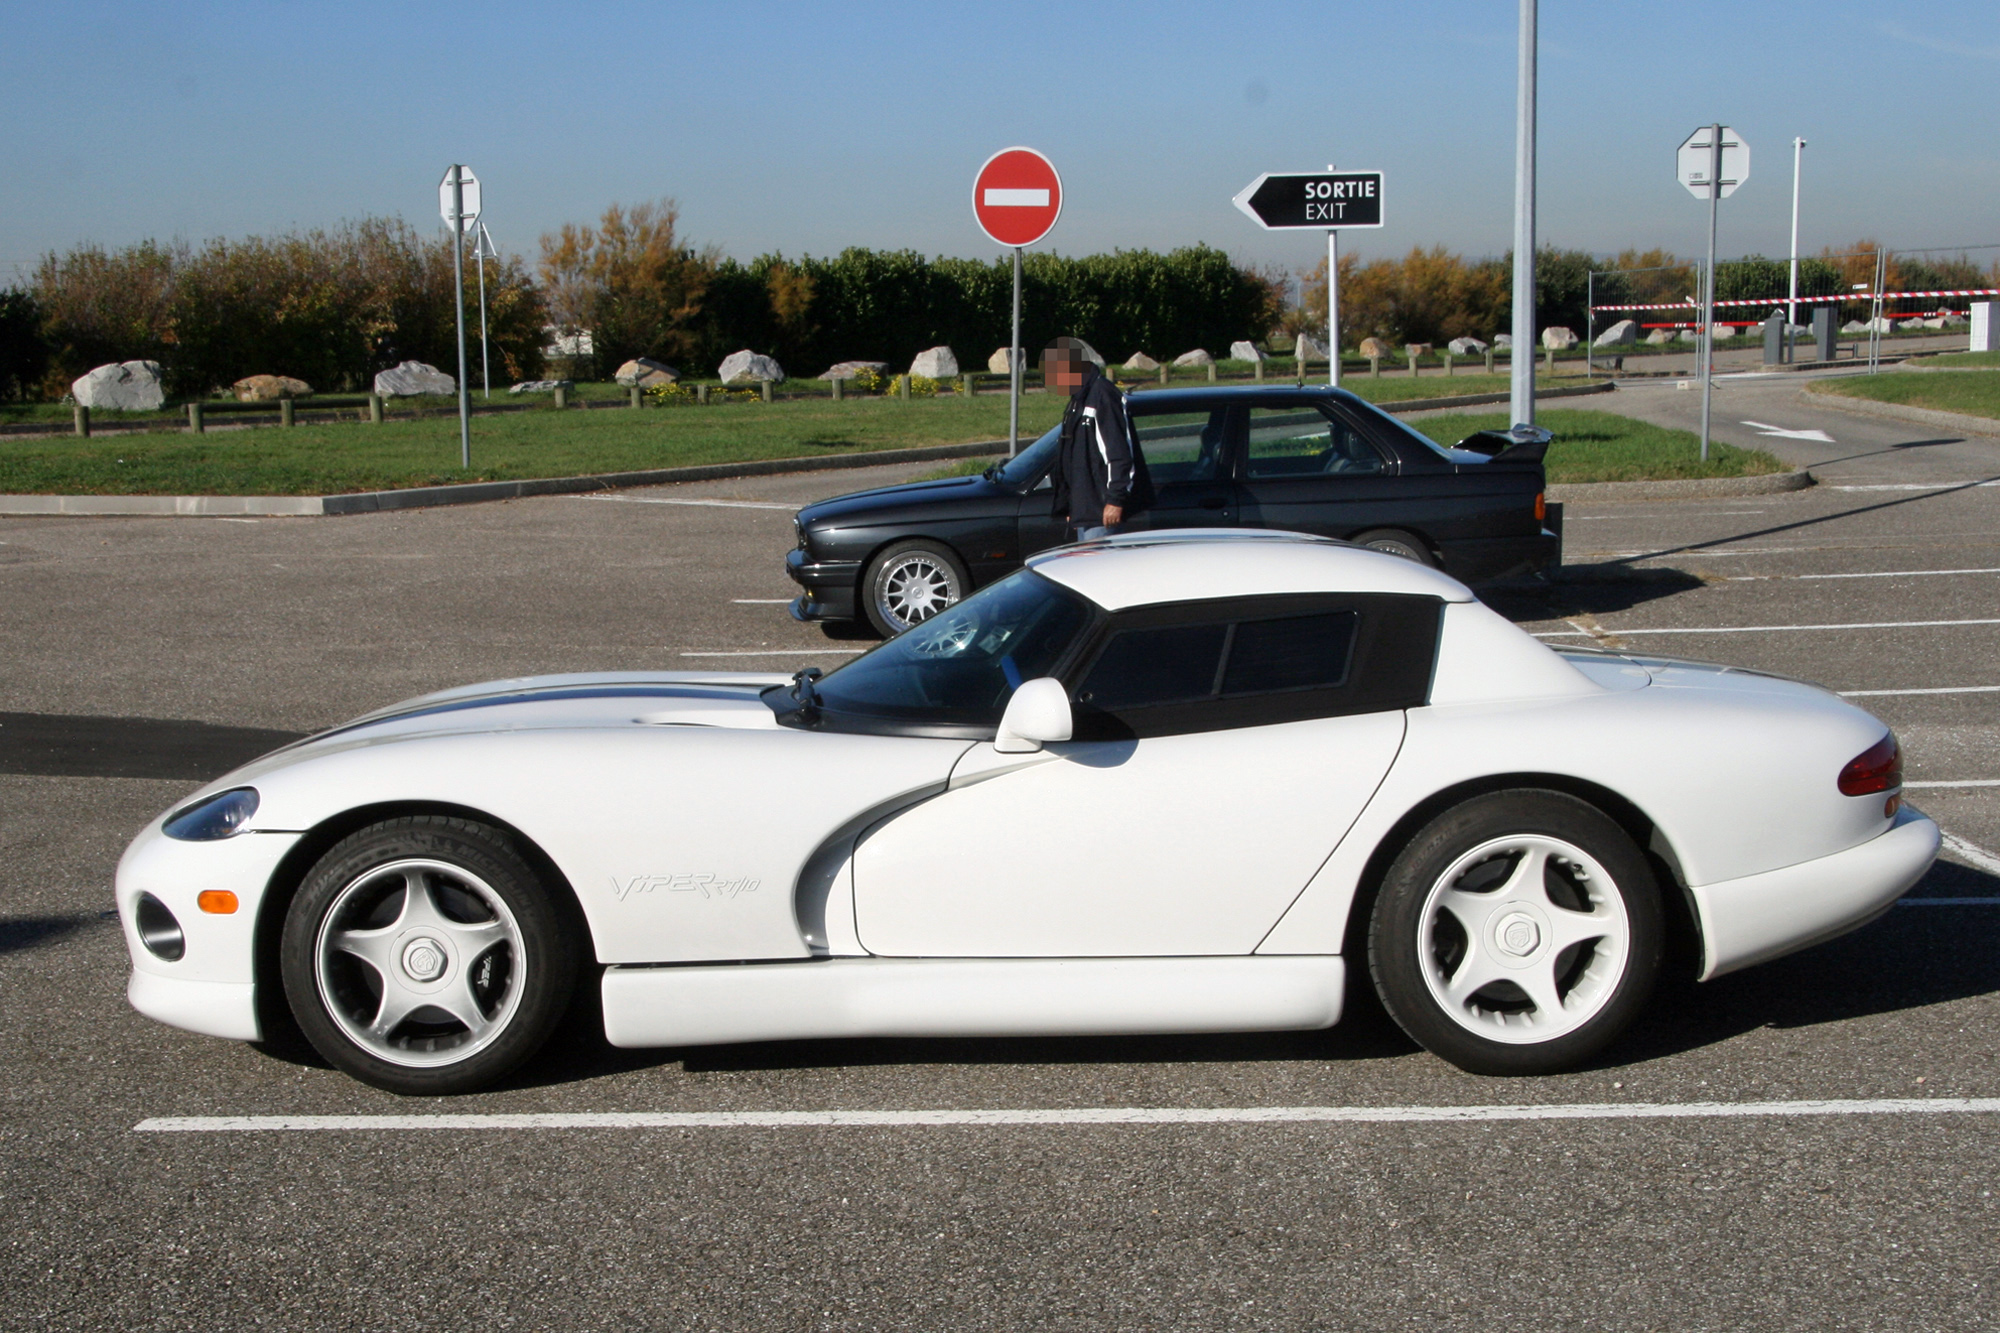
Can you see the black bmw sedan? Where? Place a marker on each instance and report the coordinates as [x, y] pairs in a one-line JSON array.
[[1317, 460]]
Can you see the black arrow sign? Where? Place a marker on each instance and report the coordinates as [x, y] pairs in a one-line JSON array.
[[1317, 199]]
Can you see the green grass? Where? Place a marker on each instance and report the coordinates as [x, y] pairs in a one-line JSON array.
[[315, 460], [1976, 393], [1589, 446], [1960, 359]]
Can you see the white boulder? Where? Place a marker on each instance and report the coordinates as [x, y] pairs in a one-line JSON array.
[[414, 379], [1244, 350], [1689, 335], [646, 372], [1854, 326], [539, 386], [1953, 321], [738, 367], [269, 388], [998, 363], [1622, 334], [935, 363], [1503, 340], [1307, 349], [1198, 357], [1140, 361], [1658, 336], [1556, 337], [847, 370], [122, 386], [1374, 348], [1466, 347]]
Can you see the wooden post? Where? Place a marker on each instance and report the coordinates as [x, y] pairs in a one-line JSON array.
[[903, 387], [1375, 367], [637, 398], [194, 418], [1211, 372], [839, 389], [562, 398], [375, 409], [81, 418], [965, 385], [764, 390], [285, 417], [1163, 372], [1413, 362], [701, 394], [1447, 364], [1552, 360], [1489, 360], [1259, 364]]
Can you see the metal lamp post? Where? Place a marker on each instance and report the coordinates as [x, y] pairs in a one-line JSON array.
[[1521, 396]]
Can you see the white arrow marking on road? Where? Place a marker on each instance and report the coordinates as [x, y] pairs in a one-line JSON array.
[[1819, 436]]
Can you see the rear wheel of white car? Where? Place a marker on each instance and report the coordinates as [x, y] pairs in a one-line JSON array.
[[1518, 933], [424, 956], [909, 583]]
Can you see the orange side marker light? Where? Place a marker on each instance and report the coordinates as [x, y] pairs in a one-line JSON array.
[[217, 902]]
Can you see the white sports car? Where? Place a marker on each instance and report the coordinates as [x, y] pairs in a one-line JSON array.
[[1159, 783]]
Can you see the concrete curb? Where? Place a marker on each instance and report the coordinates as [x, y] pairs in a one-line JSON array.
[[1698, 488], [485, 492], [1922, 416]]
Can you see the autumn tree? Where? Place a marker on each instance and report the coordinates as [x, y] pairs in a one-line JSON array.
[[630, 281]]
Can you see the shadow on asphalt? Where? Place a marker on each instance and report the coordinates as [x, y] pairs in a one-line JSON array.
[[1586, 590], [21, 933], [69, 746]]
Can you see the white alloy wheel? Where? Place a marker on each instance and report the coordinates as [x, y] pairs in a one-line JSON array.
[[911, 582], [1506, 960]]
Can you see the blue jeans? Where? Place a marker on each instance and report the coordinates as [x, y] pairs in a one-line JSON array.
[[1091, 534]]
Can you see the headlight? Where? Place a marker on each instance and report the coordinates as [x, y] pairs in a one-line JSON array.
[[221, 816]]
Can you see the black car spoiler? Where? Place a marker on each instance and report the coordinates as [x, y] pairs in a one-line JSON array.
[[1516, 444]]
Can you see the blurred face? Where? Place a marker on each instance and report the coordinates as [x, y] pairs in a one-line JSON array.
[[1061, 372]]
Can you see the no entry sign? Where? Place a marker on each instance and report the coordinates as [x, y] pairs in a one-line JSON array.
[[1280, 202], [1017, 196]]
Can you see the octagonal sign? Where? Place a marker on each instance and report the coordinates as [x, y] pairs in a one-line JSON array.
[[1694, 161]]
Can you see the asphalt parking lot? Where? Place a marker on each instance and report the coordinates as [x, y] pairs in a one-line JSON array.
[[1881, 582]]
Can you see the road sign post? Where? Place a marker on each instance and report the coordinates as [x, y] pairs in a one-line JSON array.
[[1016, 198], [1330, 199], [1711, 162], [458, 203], [482, 250], [1521, 356]]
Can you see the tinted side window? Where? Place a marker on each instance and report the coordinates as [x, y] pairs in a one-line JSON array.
[[1140, 667], [1292, 653], [1302, 442], [1256, 661]]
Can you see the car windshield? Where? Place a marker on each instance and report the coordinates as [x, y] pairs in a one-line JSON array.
[[959, 668], [1027, 467]]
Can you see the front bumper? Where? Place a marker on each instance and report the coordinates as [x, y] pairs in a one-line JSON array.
[[829, 585], [1760, 917]]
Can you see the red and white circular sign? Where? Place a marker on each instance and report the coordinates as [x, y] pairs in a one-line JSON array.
[[1017, 196]]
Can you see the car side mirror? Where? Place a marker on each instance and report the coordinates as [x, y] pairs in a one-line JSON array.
[[1037, 715]]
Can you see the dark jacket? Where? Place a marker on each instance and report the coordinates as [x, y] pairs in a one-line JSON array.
[[1099, 462]]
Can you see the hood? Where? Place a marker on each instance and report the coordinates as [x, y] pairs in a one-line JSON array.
[[910, 494]]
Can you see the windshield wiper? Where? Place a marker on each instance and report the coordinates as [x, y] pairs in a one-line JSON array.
[[807, 694]]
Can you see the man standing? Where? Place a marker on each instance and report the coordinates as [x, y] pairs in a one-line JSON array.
[[1100, 476]]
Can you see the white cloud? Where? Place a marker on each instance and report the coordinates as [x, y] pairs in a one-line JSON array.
[[1950, 48]]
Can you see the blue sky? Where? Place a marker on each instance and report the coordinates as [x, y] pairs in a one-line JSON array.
[[809, 128]]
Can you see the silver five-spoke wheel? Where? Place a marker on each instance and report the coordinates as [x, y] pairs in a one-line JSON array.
[[420, 962], [1527, 938]]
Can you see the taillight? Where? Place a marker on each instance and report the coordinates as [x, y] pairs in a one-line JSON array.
[[1877, 768], [1541, 506]]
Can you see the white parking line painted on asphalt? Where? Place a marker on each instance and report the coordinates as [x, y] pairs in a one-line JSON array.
[[777, 652], [1693, 513], [704, 504], [1872, 574], [1948, 902], [1974, 853], [1917, 486], [1083, 1115], [762, 601], [1964, 782], [1617, 632], [1946, 689]]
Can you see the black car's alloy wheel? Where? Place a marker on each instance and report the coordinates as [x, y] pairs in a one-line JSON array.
[[909, 583], [425, 956]]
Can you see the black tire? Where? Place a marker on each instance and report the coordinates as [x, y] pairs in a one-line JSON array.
[[481, 966], [1391, 541], [909, 582], [1585, 933]]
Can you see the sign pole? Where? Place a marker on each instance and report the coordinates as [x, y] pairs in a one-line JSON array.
[[1521, 357], [1014, 357], [1708, 306], [1332, 306], [458, 285]]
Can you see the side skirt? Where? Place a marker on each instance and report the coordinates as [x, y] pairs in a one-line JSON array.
[[943, 997]]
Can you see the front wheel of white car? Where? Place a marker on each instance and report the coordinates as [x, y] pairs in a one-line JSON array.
[[1517, 933], [424, 956]]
